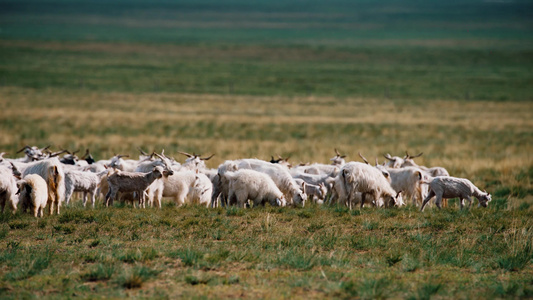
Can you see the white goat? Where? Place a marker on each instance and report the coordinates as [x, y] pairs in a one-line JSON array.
[[338, 159], [131, 182], [80, 181], [433, 171], [394, 162], [179, 186], [252, 185], [8, 188], [194, 162], [124, 165], [453, 187], [409, 181], [51, 170], [201, 190], [281, 177], [33, 194], [315, 192], [363, 178]]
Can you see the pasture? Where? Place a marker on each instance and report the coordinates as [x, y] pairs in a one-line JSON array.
[[254, 81]]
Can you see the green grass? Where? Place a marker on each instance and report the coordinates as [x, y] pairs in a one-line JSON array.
[[340, 259]]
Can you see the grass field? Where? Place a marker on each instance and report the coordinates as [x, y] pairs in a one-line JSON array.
[[254, 80]]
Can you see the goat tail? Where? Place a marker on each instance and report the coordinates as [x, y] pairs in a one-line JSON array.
[[53, 178]]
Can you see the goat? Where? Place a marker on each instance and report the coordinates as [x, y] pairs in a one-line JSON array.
[[51, 170], [252, 185], [33, 194], [394, 162], [408, 180], [317, 193], [131, 182], [433, 171], [453, 187], [338, 159], [201, 190], [181, 185], [363, 178], [194, 161], [80, 181], [155, 190], [8, 188], [281, 177]]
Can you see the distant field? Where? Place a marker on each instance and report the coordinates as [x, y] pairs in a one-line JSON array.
[[431, 50], [337, 22], [378, 72], [256, 79]]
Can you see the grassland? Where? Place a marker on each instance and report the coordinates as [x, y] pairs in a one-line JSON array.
[[313, 252], [276, 77]]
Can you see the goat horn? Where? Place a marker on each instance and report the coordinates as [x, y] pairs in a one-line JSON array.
[[418, 155], [337, 152], [387, 156], [163, 154], [45, 148], [186, 154], [25, 147], [58, 152], [86, 154], [364, 159], [121, 156], [160, 157], [207, 158], [64, 150], [142, 152]]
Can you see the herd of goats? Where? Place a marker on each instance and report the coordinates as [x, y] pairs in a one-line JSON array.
[[43, 177]]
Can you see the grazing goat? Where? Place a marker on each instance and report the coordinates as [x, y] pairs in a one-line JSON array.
[[131, 182], [409, 181], [317, 193], [33, 194], [51, 170], [281, 177], [453, 187], [8, 188], [82, 181], [252, 185], [367, 180]]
